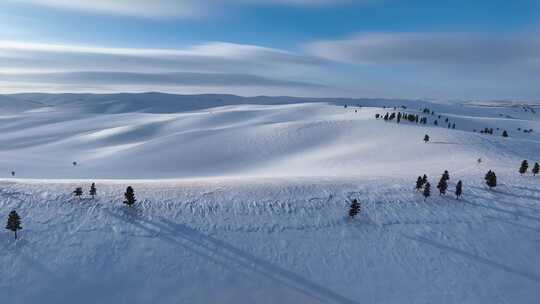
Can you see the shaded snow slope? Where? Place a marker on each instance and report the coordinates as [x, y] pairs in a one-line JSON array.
[[269, 241]]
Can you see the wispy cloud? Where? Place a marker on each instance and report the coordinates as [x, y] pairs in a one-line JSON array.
[[170, 8], [158, 79], [432, 49], [210, 64]]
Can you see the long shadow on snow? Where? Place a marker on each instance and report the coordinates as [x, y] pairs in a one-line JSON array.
[[507, 203], [514, 213], [476, 258], [507, 221], [527, 189], [513, 195], [209, 246]]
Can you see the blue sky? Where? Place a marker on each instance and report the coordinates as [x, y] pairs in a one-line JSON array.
[[364, 48]]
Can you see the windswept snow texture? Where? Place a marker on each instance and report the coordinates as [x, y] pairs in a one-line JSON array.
[[245, 200], [142, 136]]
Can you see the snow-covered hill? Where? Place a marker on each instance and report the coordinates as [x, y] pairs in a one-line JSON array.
[[244, 200], [128, 136]]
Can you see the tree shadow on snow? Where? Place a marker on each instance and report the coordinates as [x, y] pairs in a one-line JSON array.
[[516, 205], [445, 143], [232, 258], [474, 257], [513, 195], [509, 222], [514, 213], [527, 189]]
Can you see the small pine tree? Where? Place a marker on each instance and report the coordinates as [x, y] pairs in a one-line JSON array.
[[399, 117], [12, 173], [424, 180], [355, 208], [446, 175], [14, 222], [524, 166], [535, 169], [436, 123], [442, 186], [491, 179], [459, 190], [386, 117], [78, 192], [427, 191], [504, 134], [129, 196], [93, 190], [426, 138], [419, 183]]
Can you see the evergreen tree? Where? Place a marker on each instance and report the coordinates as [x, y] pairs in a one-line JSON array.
[[355, 208], [426, 138], [446, 175], [427, 191], [505, 134], [78, 192], [419, 183], [453, 126], [129, 196], [14, 222], [386, 117], [536, 169], [436, 123], [442, 186], [399, 117], [12, 173], [93, 190], [491, 179], [424, 180], [523, 168], [488, 174], [459, 189]]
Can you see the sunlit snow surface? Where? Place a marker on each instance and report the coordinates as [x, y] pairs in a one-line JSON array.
[[247, 202]]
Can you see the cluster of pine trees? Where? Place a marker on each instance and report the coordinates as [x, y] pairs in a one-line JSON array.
[[78, 192], [414, 117], [487, 131], [422, 184], [402, 116], [525, 166]]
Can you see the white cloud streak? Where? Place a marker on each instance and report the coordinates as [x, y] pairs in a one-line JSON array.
[[210, 64], [169, 8], [432, 49]]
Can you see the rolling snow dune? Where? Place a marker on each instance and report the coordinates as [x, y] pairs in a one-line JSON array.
[[270, 140], [245, 200]]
